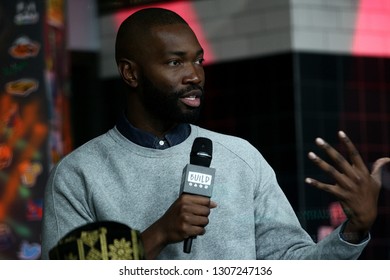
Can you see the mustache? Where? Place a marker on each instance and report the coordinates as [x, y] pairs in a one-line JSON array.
[[189, 89]]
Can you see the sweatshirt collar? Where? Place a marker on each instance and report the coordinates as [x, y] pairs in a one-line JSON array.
[[145, 139]]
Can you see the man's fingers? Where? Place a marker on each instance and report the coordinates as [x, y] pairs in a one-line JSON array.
[[377, 169], [213, 204], [340, 178], [318, 184], [323, 164], [197, 199], [353, 152], [343, 165]]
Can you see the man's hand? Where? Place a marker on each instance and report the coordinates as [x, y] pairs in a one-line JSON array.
[[355, 187], [186, 217]]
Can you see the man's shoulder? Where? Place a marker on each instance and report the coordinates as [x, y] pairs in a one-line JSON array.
[[219, 136], [230, 142], [90, 149]]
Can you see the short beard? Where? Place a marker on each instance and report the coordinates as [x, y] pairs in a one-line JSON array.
[[164, 105]]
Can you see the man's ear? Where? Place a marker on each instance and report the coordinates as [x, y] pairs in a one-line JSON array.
[[128, 71]]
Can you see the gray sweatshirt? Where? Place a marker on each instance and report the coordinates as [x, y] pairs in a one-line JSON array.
[[111, 178]]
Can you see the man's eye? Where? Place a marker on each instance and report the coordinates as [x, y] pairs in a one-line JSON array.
[[200, 61], [174, 63]]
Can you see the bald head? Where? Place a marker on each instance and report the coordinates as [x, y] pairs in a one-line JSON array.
[[134, 29]]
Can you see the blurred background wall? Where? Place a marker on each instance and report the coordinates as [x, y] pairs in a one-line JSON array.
[[279, 73]]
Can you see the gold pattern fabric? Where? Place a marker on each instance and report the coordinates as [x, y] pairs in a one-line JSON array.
[[100, 241]]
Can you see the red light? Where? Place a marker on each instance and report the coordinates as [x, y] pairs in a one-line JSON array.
[[372, 28]]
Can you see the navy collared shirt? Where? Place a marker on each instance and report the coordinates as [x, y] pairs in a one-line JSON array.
[[145, 139]]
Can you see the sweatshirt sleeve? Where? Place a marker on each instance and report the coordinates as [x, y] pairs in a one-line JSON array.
[[65, 205], [279, 234]]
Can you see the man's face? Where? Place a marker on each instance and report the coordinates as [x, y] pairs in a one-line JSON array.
[[172, 74], [166, 105]]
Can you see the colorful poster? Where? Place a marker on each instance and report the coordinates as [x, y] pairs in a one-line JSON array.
[[32, 103]]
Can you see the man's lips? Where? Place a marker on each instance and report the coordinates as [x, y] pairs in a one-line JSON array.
[[192, 98]]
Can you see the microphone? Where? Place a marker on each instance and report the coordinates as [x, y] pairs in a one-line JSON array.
[[198, 177]]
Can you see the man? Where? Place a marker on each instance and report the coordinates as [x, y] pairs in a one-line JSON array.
[[132, 173]]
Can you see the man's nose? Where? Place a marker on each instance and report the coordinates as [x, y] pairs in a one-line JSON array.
[[194, 74]]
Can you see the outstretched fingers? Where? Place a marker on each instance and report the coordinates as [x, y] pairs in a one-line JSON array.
[[352, 171], [354, 155], [332, 172], [356, 188], [342, 171]]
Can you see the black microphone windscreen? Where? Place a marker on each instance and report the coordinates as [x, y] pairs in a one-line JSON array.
[[201, 152]]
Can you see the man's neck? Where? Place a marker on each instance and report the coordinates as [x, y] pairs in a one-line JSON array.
[[147, 139], [156, 127]]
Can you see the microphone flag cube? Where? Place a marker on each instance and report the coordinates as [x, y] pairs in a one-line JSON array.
[[198, 180]]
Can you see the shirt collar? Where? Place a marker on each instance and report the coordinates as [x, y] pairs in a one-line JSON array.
[[145, 139]]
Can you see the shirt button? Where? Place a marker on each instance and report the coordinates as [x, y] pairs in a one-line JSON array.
[[161, 143]]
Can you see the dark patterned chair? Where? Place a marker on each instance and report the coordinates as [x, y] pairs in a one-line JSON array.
[[105, 240]]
